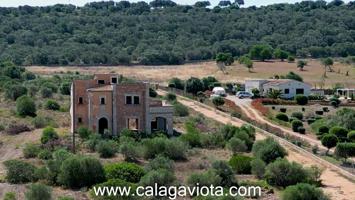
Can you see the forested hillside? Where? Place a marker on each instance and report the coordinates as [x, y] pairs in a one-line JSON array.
[[165, 33]]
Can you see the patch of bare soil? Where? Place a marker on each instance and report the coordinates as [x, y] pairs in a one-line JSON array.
[[236, 73]]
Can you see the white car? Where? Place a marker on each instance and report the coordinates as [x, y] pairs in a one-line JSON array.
[[243, 94]]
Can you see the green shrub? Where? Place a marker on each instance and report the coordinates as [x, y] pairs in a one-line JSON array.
[[282, 117], [48, 134], [223, 169], [268, 150], [345, 150], [31, 150], [218, 101], [303, 191], [170, 96], [38, 191], [237, 145], [258, 167], [131, 150], [41, 122], [77, 172], [51, 104], [107, 149], [176, 83], [245, 137], [65, 88], [19, 171], [241, 164], [65, 198], [283, 173], [129, 172], [301, 100], [93, 140], [301, 130], [13, 92], [297, 115], [322, 130], [10, 196], [160, 162], [46, 93], [42, 173], [207, 178], [180, 110], [25, 106], [296, 124], [340, 132], [45, 155], [161, 177], [171, 148], [192, 136], [84, 132], [329, 140], [351, 136]]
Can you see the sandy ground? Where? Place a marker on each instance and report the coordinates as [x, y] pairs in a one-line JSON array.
[[335, 185], [236, 73]]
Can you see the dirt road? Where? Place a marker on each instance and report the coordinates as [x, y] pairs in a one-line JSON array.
[[335, 184]]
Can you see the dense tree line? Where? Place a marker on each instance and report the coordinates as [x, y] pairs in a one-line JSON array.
[[162, 32]]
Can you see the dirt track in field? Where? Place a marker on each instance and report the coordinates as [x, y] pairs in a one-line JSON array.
[[335, 185]]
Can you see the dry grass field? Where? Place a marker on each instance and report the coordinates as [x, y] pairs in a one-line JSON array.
[[236, 73]]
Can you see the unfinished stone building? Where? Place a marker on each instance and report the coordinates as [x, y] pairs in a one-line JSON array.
[[104, 103]]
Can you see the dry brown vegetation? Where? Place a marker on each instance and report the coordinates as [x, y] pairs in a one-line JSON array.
[[236, 73]]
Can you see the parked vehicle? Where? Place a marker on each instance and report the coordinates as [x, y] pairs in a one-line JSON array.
[[243, 94]]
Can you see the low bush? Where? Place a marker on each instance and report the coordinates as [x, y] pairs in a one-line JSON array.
[[223, 170], [84, 132], [345, 150], [297, 115], [325, 109], [38, 191], [301, 130], [322, 130], [93, 140], [77, 172], [258, 167], [329, 140], [303, 191], [152, 93], [46, 93], [65, 198], [10, 196], [170, 97], [129, 172], [161, 177], [160, 162], [180, 110], [42, 173], [31, 150], [296, 124], [48, 134], [283, 173], [301, 100], [340, 132], [25, 106], [171, 148], [14, 129], [282, 117], [19, 171], [351, 136], [45, 154], [207, 178], [51, 104], [107, 148], [241, 164], [129, 149], [237, 145], [268, 150], [41, 122], [192, 136]]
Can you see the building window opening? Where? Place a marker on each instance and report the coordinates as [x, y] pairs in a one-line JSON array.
[[287, 91], [114, 80], [101, 81], [132, 124], [300, 91], [136, 100], [128, 99], [80, 100], [102, 101], [80, 120]]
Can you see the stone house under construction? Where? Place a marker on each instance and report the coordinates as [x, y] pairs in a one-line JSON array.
[[102, 103]]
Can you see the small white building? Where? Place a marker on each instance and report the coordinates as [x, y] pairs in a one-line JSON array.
[[289, 88]]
